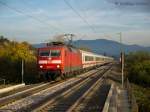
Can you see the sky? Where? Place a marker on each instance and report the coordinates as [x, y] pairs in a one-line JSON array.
[[40, 20]]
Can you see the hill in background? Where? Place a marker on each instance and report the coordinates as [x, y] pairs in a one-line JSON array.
[[104, 47]]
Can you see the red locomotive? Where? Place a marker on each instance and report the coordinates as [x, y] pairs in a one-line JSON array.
[[58, 59]]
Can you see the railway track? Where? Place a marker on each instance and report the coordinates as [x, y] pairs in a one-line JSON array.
[[72, 99], [18, 90], [26, 102], [67, 101], [22, 94], [93, 99], [26, 88], [34, 100]]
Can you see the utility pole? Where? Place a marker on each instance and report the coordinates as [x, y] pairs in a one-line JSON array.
[[22, 71], [122, 59], [122, 69]]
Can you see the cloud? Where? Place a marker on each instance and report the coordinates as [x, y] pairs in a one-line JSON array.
[[132, 5], [104, 16]]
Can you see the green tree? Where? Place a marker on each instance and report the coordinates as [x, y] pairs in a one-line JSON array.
[[11, 55], [138, 69], [138, 66]]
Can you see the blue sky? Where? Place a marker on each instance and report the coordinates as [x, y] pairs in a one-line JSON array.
[[39, 20]]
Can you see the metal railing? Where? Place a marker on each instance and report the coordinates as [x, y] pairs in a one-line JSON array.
[[131, 97]]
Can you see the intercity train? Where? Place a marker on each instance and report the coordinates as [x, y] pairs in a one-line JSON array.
[[61, 60]]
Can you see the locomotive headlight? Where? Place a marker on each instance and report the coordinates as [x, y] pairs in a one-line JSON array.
[[58, 66], [41, 66]]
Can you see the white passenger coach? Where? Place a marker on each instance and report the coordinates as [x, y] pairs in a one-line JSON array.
[[90, 59]]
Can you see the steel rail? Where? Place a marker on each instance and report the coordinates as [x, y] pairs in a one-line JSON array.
[[31, 99], [21, 94], [65, 94], [54, 102], [80, 103]]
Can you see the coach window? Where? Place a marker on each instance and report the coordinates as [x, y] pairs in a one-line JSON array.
[[55, 53], [98, 59], [88, 58]]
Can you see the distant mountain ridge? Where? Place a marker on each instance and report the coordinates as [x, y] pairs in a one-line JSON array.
[[103, 46], [109, 47]]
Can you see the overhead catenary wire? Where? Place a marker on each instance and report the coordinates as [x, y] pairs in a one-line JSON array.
[[84, 20], [82, 10], [30, 16]]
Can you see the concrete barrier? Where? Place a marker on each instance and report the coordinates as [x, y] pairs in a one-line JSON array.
[[107, 102], [4, 90]]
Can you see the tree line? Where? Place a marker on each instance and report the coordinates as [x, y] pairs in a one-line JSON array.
[[11, 55], [138, 67], [138, 71]]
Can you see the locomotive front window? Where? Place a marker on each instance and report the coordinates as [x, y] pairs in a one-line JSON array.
[[55, 53], [44, 53], [48, 53]]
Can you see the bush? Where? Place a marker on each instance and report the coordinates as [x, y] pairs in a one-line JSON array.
[[142, 96], [138, 67]]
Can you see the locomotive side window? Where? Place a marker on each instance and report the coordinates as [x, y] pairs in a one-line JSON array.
[[44, 53], [55, 53]]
